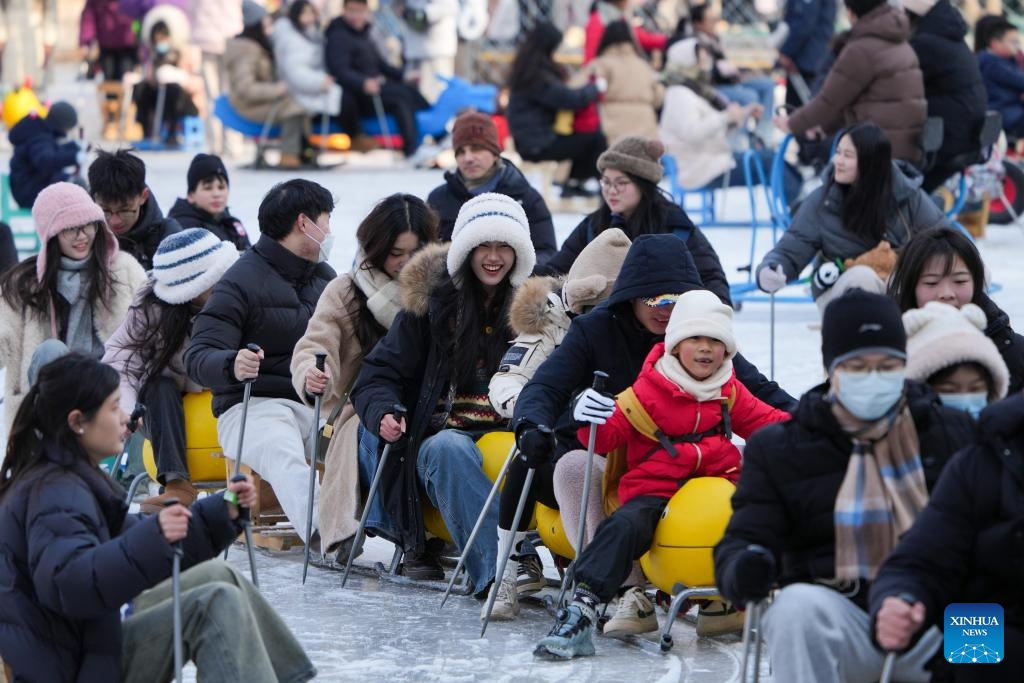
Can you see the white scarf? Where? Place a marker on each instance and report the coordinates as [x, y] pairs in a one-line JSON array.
[[702, 390], [383, 294]]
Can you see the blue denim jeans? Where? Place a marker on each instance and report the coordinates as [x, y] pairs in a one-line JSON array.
[[378, 520], [754, 91]]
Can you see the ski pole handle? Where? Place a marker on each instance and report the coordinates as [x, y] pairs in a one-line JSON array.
[[599, 379], [321, 362], [137, 414], [243, 512], [171, 502]]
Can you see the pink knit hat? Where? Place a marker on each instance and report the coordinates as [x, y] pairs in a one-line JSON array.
[[61, 206]]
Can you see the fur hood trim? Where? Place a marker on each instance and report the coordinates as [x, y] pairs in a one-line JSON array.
[[529, 311], [421, 276]]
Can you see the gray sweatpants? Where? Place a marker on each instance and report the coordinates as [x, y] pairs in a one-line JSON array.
[[228, 629], [815, 635]]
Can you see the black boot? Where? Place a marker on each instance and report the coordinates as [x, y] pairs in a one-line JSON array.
[[426, 565]]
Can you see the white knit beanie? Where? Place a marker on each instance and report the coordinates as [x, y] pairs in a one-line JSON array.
[[188, 263], [699, 313], [939, 336], [492, 217]]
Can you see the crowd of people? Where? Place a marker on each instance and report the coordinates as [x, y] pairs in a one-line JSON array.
[[861, 508]]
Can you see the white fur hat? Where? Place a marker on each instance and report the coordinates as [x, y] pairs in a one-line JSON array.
[[700, 313], [492, 217], [939, 335], [188, 263]]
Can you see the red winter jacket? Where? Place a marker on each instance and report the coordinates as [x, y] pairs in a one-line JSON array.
[[677, 413]]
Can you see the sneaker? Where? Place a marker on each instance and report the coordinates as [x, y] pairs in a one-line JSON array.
[[530, 575], [634, 615], [718, 618], [424, 566], [572, 636], [506, 604], [181, 489]]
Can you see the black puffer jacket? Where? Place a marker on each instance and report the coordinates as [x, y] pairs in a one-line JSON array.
[[227, 227], [39, 159], [71, 556], [791, 476], [609, 338], [147, 233], [675, 222], [352, 56], [447, 199], [952, 81], [531, 113], [968, 544], [1009, 343], [266, 298]]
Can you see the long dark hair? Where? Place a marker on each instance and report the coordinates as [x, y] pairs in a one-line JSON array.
[[615, 33], [391, 217], [157, 334], [22, 290], [255, 33], [535, 63], [72, 382], [648, 216], [868, 202], [471, 328], [945, 243]]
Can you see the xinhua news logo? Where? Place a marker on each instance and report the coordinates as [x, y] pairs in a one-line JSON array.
[[973, 633]]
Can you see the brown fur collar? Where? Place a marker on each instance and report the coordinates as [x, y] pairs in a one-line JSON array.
[[421, 276], [529, 311]]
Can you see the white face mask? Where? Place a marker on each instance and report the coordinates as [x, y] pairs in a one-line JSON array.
[[326, 244], [869, 395]]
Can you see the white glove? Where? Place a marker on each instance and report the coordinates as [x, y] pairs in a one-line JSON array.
[[593, 407], [771, 279], [82, 159], [602, 84]]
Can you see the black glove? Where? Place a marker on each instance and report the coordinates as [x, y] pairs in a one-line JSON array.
[[416, 19], [753, 574], [536, 445]]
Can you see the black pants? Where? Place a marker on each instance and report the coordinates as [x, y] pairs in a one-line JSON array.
[[620, 541], [793, 100], [582, 149], [8, 250], [543, 489], [938, 174], [115, 63], [177, 105], [164, 426], [400, 100]]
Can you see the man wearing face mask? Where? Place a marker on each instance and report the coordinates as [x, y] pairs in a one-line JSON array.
[[824, 498], [266, 299]]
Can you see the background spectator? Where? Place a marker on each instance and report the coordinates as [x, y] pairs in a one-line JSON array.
[[168, 64], [110, 31], [811, 25], [429, 42], [43, 152], [28, 34], [1003, 78], [213, 23]]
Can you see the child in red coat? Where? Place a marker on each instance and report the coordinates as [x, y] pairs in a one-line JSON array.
[[689, 399]]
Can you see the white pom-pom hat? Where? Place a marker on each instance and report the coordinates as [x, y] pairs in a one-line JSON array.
[[492, 217], [188, 263]]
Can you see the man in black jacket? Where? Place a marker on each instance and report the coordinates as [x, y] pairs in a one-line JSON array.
[[117, 181], [206, 205], [825, 496], [952, 84], [482, 169], [967, 546], [266, 299], [356, 64]]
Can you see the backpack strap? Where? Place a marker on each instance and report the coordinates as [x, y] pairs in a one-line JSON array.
[[637, 415], [642, 422]]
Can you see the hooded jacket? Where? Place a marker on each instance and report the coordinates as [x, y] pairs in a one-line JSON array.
[[876, 78], [448, 198], [675, 221], [39, 159], [265, 298], [72, 556], [652, 470], [792, 472], [817, 232], [609, 338], [967, 545], [142, 240], [226, 228], [952, 81]]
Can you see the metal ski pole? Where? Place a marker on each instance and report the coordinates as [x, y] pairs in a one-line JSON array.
[[176, 593], [771, 344], [887, 667], [479, 523], [382, 120], [599, 380], [751, 630], [399, 412], [320, 360], [505, 552], [238, 476]]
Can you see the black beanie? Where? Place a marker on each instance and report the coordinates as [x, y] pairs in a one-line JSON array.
[[205, 166], [62, 117], [862, 7], [859, 322]]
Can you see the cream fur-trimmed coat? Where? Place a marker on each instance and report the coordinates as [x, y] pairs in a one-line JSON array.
[[21, 333]]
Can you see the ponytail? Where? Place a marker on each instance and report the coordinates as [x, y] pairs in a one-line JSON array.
[[23, 441]]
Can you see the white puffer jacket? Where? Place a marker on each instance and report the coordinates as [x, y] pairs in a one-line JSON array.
[[301, 64]]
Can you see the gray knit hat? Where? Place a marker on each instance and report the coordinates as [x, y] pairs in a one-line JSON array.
[[592, 275], [635, 155], [252, 13]]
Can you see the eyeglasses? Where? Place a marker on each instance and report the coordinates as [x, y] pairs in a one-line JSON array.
[[87, 230], [126, 215], [618, 186]]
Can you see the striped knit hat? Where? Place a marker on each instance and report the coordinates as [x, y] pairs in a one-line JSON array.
[[492, 217], [188, 263]]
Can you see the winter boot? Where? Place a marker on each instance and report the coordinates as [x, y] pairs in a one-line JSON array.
[[634, 615], [572, 636], [718, 618], [426, 565], [181, 489]]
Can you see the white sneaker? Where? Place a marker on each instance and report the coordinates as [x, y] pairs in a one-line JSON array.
[[506, 604], [634, 615]]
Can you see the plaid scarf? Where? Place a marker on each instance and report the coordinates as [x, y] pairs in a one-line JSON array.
[[882, 493]]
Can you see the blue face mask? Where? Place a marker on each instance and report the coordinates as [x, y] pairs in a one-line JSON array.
[[972, 404], [162, 48], [869, 395]]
